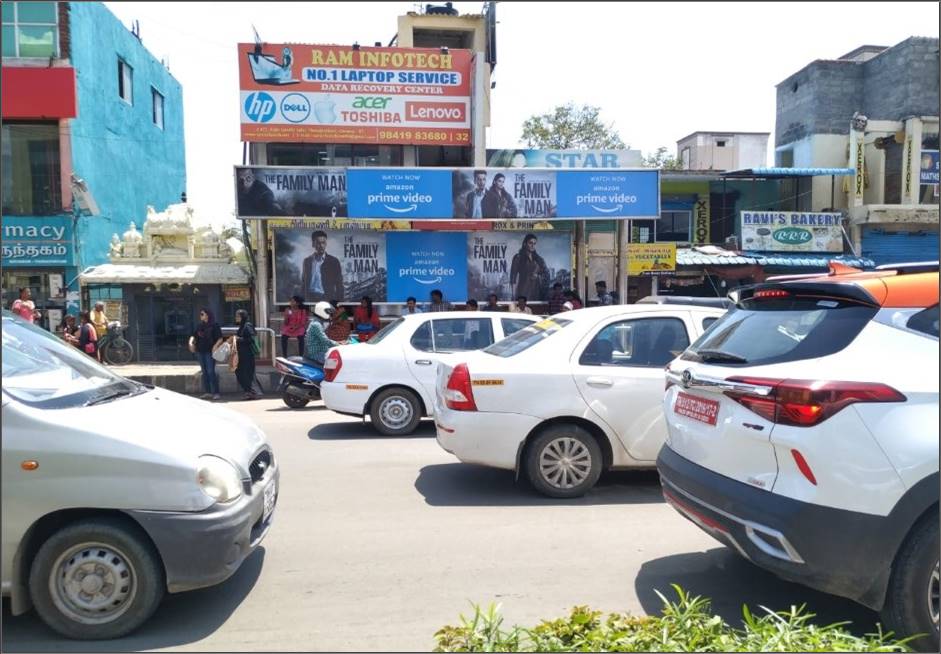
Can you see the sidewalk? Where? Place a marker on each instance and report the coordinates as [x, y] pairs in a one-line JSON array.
[[186, 377]]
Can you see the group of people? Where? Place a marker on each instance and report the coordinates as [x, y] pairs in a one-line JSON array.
[[238, 351], [85, 332]]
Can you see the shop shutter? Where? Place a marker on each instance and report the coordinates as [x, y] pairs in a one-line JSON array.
[[884, 247]]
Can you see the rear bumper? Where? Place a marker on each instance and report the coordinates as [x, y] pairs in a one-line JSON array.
[[844, 553], [490, 439], [341, 398]]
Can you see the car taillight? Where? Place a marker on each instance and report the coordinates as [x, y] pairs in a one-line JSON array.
[[770, 293], [331, 367], [458, 393], [805, 403]]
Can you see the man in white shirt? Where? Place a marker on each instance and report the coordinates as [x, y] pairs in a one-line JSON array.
[[520, 306]]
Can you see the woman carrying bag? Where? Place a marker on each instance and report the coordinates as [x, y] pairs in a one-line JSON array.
[[206, 342], [245, 350], [88, 337]]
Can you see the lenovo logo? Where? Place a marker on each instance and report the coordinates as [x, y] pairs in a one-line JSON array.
[[438, 112]]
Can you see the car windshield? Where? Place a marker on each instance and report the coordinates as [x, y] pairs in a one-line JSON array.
[[385, 331], [40, 370], [527, 337], [779, 330]]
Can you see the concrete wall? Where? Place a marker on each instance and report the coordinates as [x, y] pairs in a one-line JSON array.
[[740, 151], [127, 161], [821, 98]]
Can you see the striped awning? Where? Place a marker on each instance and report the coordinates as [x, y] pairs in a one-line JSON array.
[[692, 257]]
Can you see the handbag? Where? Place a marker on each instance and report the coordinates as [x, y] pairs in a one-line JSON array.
[[89, 348], [221, 352]]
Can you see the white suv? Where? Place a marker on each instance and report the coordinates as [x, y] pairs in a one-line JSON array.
[[803, 433]]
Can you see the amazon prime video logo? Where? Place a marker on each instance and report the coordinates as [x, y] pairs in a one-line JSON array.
[[295, 108], [260, 107]]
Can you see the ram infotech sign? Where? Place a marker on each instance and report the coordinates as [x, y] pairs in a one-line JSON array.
[[792, 231]]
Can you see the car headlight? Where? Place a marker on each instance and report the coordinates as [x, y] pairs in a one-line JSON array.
[[218, 478]]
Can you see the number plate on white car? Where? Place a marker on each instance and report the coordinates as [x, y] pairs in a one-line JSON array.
[[697, 408], [271, 494]]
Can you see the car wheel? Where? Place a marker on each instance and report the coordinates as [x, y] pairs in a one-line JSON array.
[[563, 461], [294, 401], [395, 412], [911, 605], [96, 579]]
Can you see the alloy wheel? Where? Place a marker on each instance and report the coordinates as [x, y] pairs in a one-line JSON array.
[[565, 463]]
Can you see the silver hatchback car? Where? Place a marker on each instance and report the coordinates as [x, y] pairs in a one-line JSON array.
[[114, 492]]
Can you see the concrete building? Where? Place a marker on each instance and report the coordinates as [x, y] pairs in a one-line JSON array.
[[82, 97], [874, 109], [723, 150]]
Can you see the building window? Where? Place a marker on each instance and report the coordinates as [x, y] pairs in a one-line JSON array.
[[643, 231], [720, 144], [674, 226], [323, 154], [125, 82], [157, 107], [30, 29], [32, 184]]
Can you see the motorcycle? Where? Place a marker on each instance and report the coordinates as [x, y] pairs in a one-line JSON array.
[[300, 380]]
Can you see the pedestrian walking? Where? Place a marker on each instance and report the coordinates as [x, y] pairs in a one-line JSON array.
[[296, 318], [246, 349], [88, 337], [205, 339]]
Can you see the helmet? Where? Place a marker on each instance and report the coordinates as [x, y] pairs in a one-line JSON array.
[[324, 310]]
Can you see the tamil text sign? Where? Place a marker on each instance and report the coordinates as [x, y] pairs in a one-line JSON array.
[[35, 241], [791, 231], [337, 94]]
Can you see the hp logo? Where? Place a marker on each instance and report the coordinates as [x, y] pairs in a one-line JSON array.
[[295, 108], [260, 107]]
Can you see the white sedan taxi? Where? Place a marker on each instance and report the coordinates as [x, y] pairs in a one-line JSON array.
[[391, 377], [568, 397]]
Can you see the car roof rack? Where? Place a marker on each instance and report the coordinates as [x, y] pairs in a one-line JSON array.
[[715, 302], [912, 268]]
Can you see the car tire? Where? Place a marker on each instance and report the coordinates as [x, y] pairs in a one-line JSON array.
[[563, 461], [126, 580], [294, 401], [913, 586], [395, 412]]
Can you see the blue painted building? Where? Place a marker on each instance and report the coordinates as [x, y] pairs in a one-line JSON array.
[[105, 111]]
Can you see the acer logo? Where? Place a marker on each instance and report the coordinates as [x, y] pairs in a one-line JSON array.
[[439, 112]]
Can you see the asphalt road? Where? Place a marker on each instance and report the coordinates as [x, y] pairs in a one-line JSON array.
[[378, 542]]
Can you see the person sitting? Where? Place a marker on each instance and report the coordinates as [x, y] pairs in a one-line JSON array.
[[339, 327], [520, 306], [316, 341], [366, 319]]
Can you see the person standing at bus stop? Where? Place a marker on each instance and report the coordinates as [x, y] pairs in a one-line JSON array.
[[246, 350], [206, 337]]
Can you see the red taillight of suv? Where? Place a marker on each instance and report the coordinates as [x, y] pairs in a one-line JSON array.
[[331, 367], [459, 394], [805, 403]]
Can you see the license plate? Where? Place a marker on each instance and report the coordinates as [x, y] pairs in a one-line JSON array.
[[697, 408], [271, 494]]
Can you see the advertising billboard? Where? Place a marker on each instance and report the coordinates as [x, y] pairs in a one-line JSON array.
[[565, 158], [930, 167], [420, 263], [45, 241], [791, 231], [466, 194], [651, 258], [341, 94], [512, 264]]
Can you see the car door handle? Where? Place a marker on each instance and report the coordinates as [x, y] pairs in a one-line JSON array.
[[423, 362], [603, 382]]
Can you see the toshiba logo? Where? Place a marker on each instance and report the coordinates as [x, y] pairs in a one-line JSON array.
[[438, 112]]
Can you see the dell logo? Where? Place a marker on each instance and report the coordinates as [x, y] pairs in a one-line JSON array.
[[259, 107], [295, 108]]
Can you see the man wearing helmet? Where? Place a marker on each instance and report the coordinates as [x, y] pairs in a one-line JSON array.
[[316, 341]]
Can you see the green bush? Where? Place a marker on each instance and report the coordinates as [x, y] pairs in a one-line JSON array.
[[686, 625]]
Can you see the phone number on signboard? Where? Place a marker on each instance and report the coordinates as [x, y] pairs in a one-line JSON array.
[[423, 136]]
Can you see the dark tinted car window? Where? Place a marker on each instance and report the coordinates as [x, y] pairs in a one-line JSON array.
[[777, 330], [925, 321]]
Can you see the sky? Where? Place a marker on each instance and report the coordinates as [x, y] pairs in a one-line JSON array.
[[659, 71]]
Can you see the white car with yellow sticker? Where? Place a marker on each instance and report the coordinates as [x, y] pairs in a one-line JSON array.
[[391, 377], [568, 397]]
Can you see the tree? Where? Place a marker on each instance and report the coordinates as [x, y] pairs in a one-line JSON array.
[[569, 127], [660, 159]]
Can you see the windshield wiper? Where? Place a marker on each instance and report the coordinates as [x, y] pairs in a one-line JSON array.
[[719, 355], [107, 397]]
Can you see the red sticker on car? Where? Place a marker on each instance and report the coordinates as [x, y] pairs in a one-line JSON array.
[[697, 408]]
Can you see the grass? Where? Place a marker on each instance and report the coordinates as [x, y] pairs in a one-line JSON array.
[[684, 625]]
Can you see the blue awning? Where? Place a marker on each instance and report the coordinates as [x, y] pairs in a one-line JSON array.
[[782, 173]]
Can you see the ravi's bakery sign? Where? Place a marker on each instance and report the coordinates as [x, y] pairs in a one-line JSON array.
[[791, 231]]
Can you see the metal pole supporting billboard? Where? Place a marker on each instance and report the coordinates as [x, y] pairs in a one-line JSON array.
[[478, 133], [624, 232]]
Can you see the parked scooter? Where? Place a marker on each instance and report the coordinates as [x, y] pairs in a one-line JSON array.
[[300, 380]]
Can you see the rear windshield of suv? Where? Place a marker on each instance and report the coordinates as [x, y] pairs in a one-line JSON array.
[[527, 337], [778, 330]]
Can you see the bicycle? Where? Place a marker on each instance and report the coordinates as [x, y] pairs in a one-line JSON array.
[[115, 349]]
